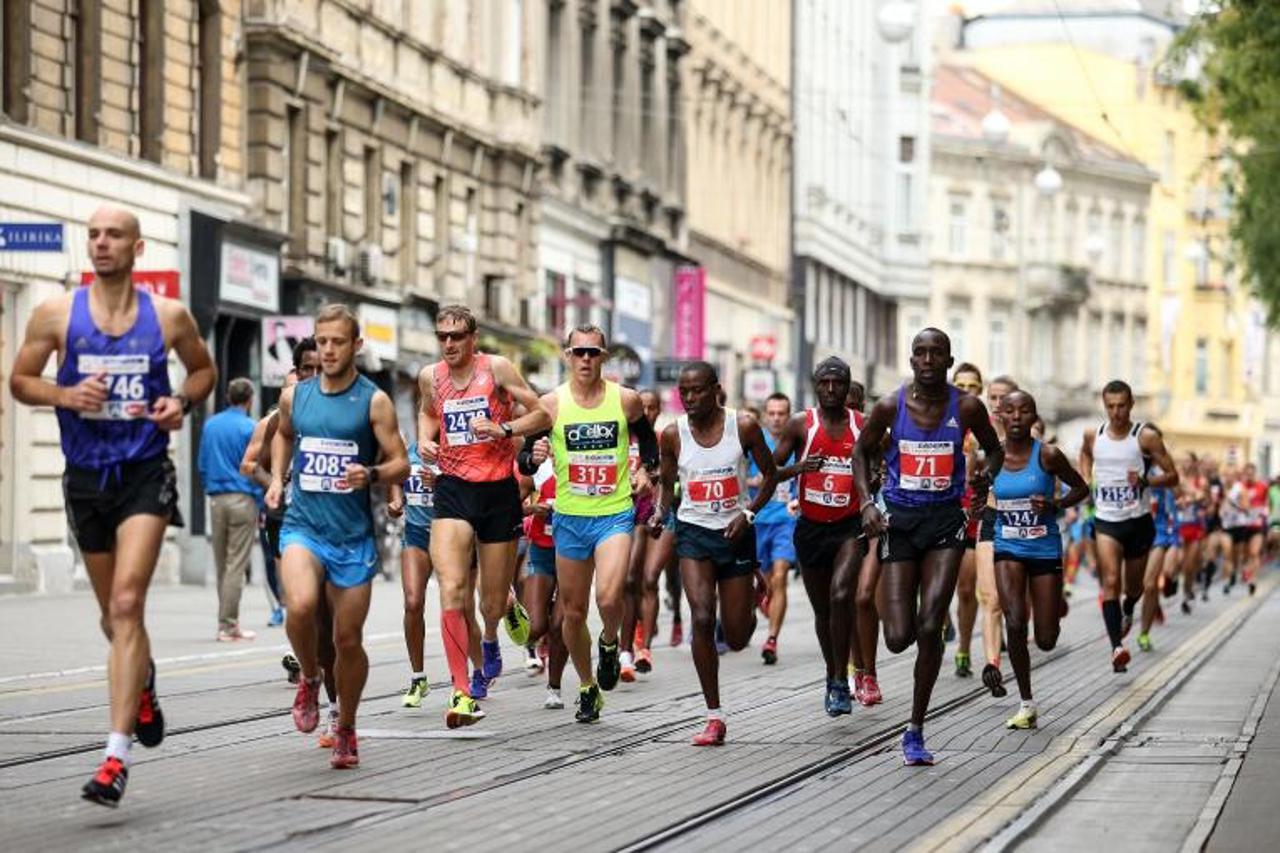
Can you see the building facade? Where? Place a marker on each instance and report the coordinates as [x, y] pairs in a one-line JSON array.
[[135, 104], [737, 111], [860, 107], [613, 221], [1038, 256], [1102, 69]]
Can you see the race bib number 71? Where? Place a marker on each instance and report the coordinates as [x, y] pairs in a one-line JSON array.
[[926, 466]]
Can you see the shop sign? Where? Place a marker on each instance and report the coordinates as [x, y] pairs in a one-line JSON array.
[[30, 236], [158, 282], [250, 277], [380, 326], [280, 334]]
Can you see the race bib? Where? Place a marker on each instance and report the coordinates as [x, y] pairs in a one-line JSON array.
[[458, 415], [126, 378], [593, 474], [713, 490], [925, 466], [832, 485], [633, 458], [416, 492], [1019, 521], [324, 464], [1121, 497]]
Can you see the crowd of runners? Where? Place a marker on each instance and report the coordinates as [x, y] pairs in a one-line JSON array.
[[521, 504]]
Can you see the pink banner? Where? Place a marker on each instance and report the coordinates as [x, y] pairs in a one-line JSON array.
[[689, 336]]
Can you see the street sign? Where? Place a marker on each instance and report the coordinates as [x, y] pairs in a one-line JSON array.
[[30, 236], [758, 384], [763, 348], [666, 371]]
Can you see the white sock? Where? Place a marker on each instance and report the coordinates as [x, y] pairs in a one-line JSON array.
[[1028, 704], [715, 714], [118, 745], [418, 675], [912, 727]]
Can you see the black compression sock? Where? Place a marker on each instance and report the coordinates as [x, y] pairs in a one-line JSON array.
[[1129, 604], [1111, 616]]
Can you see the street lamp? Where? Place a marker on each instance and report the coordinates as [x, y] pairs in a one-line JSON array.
[[895, 20], [995, 127], [1048, 181]]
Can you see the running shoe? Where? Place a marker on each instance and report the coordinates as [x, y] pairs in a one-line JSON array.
[[770, 651], [1024, 719], [1119, 659], [840, 701], [306, 705], [949, 631], [479, 685], [608, 666], [233, 633], [345, 753], [627, 667], [328, 732], [553, 702], [293, 669], [590, 701], [277, 617], [149, 726], [1068, 590], [491, 663], [517, 623], [712, 735], [1186, 607], [857, 686], [107, 785], [913, 752], [418, 688], [1253, 588], [462, 711], [993, 680], [532, 663], [964, 666], [644, 661], [677, 634], [722, 647], [1144, 642], [1170, 588], [870, 690]]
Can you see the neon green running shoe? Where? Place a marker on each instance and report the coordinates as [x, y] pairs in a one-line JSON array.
[[418, 688], [463, 711], [1144, 642], [1024, 719], [517, 624], [590, 701], [964, 668]]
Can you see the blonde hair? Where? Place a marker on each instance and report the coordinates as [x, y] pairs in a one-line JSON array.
[[338, 311]]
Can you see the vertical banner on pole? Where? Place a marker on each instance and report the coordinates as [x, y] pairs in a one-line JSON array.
[[689, 333]]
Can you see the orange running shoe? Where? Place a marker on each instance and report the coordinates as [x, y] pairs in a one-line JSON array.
[[345, 752], [712, 735], [644, 660]]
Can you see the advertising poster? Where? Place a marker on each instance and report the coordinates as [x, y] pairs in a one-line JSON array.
[[280, 335]]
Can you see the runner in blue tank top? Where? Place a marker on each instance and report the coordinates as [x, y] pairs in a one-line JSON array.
[[1027, 543], [922, 527], [115, 412], [334, 428]]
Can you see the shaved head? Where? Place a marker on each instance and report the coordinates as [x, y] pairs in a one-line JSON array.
[[113, 215], [115, 241], [935, 334], [1019, 396]]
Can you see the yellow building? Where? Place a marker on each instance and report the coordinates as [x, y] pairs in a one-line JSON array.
[[1201, 365]]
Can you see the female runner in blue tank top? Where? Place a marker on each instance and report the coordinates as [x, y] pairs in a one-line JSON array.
[[922, 525], [1028, 546]]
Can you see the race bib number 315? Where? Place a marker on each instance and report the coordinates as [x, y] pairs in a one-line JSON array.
[[323, 464], [926, 466], [458, 415], [593, 474], [126, 380]]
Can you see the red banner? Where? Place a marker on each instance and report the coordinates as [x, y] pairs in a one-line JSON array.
[[689, 333], [160, 282]]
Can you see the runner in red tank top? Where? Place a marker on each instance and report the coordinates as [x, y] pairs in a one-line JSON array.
[[828, 535], [477, 498]]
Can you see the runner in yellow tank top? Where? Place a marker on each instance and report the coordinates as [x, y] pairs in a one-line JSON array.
[[591, 424]]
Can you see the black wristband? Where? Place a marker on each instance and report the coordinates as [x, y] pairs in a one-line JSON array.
[[184, 401]]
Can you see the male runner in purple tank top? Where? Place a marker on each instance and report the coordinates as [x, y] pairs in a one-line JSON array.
[[922, 524], [115, 410]]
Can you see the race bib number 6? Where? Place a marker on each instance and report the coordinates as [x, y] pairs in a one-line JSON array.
[[458, 415], [714, 490], [926, 466], [323, 464], [832, 485], [126, 380]]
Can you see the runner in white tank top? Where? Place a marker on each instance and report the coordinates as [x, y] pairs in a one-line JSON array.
[[714, 538], [1116, 457]]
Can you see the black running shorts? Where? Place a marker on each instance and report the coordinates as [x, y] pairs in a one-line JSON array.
[[1242, 535], [492, 509], [731, 558], [818, 543], [1035, 567], [98, 501], [1135, 535], [915, 531]]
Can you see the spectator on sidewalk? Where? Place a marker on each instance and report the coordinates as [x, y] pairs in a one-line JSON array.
[[233, 503]]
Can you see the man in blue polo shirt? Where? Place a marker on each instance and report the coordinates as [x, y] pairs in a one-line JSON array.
[[233, 503]]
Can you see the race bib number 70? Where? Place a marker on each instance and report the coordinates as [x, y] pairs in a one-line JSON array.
[[714, 490]]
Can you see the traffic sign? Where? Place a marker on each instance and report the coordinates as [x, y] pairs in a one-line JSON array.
[[30, 236]]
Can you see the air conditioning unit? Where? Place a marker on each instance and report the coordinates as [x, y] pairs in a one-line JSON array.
[[335, 253], [370, 264]]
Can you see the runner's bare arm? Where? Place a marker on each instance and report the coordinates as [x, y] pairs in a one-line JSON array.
[[541, 416], [752, 438], [866, 451], [393, 465], [975, 418], [1152, 443], [185, 341], [509, 379], [790, 443], [669, 452], [281, 448], [428, 423], [43, 339], [638, 424], [1053, 460], [251, 463], [1086, 456]]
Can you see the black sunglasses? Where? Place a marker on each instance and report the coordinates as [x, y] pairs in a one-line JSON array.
[[586, 352], [456, 337]]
